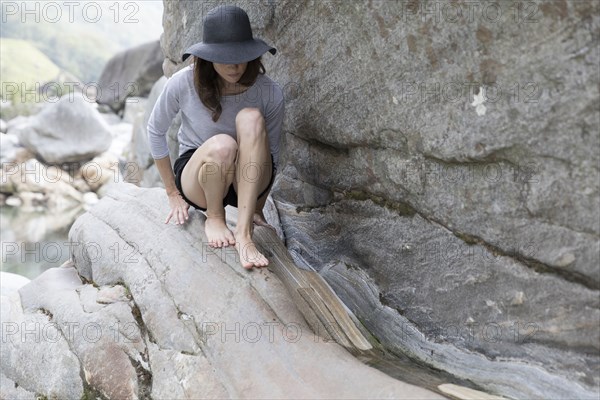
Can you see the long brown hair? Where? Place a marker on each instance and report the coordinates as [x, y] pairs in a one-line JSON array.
[[206, 82]]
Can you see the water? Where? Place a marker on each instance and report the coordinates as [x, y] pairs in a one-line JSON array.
[[33, 241]]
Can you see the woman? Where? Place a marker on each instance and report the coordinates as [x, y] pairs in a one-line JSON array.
[[232, 116]]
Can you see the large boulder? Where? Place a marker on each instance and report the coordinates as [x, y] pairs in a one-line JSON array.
[[140, 148], [35, 358], [10, 283], [441, 165], [70, 130], [147, 309], [131, 72], [146, 172]]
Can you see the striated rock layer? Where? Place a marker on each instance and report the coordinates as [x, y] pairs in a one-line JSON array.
[[148, 310], [442, 174]]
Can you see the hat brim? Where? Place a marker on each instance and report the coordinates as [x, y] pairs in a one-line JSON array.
[[229, 53]]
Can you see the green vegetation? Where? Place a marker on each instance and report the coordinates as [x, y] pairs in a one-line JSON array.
[[23, 65], [36, 50], [68, 48], [80, 47], [24, 70]]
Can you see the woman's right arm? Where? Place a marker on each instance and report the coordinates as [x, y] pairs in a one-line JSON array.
[[179, 207], [165, 109]]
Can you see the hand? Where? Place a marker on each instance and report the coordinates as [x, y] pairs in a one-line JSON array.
[[259, 219], [179, 208]]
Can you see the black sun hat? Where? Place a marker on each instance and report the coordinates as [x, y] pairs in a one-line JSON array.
[[227, 38]]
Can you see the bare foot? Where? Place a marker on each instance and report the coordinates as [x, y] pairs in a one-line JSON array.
[[249, 254], [217, 232]]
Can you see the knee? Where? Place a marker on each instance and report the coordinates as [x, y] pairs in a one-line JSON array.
[[222, 149], [250, 123]]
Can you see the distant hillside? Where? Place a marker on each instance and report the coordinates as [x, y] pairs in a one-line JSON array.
[[81, 53], [82, 47], [23, 62]]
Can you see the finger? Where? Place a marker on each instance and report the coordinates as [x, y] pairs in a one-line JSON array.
[[169, 217]]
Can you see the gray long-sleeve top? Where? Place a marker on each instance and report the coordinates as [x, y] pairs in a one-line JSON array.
[[197, 125]]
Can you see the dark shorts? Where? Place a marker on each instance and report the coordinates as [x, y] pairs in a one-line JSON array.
[[231, 196]]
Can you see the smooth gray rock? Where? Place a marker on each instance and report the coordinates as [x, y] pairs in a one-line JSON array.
[[210, 329], [146, 309], [70, 130], [131, 72], [140, 155], [151, 178], [9, 147], [37, 184], [134, 107], [10, 283], [105, 339], [35, 354], [140, 146], [15, 122], [461, 209], [10, 390]]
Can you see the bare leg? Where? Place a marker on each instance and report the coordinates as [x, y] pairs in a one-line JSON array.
[[205, 180], [253, 173]]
